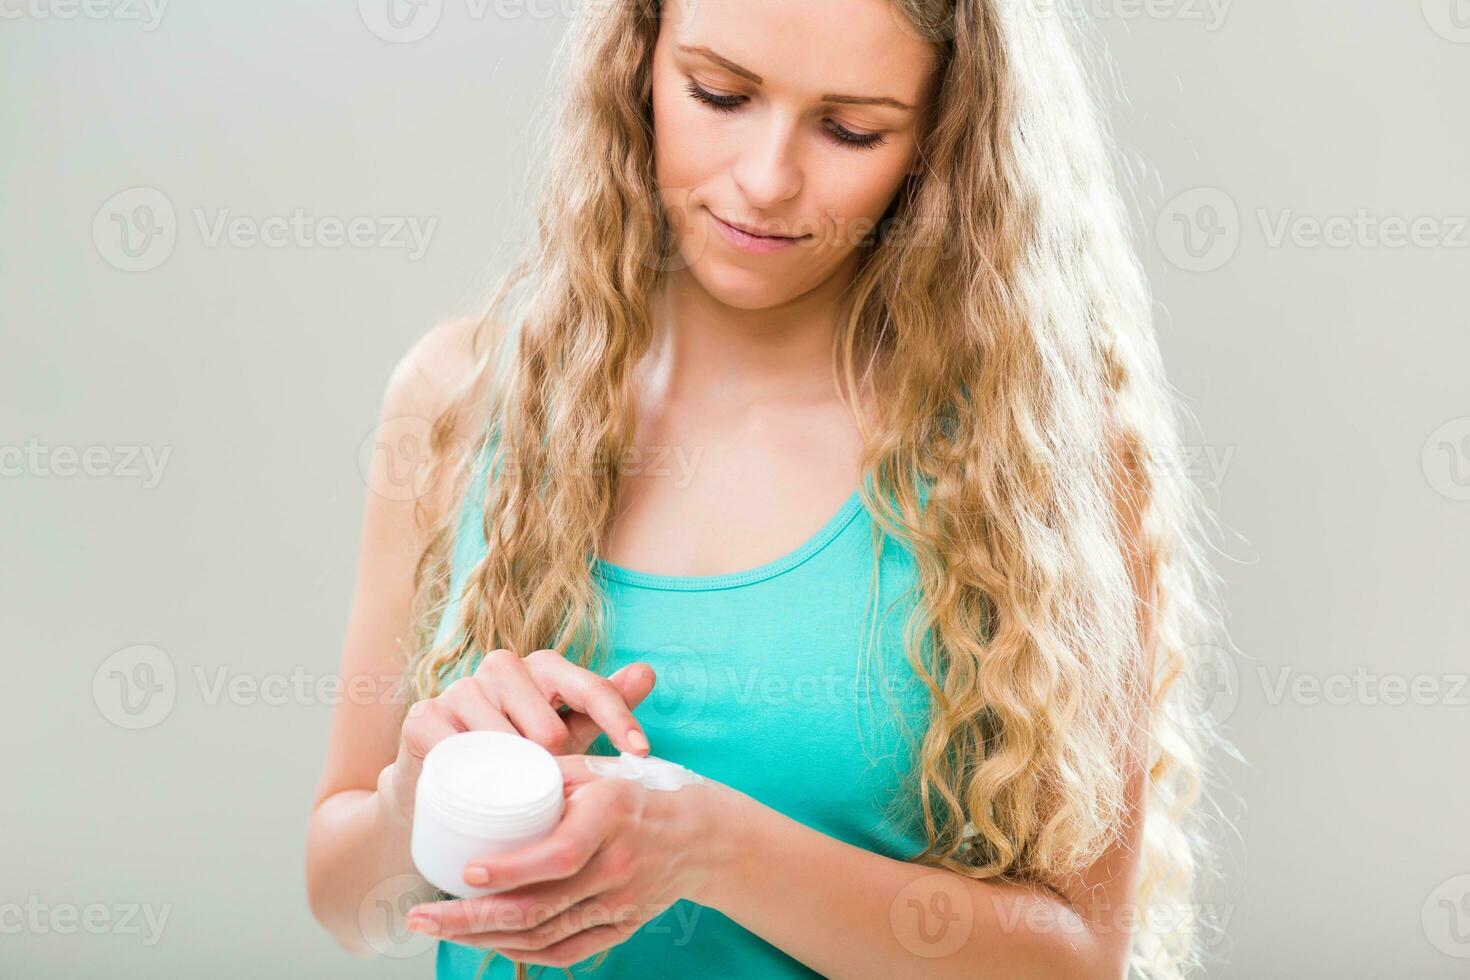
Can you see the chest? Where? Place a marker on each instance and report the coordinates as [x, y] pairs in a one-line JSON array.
[[787, 688], [711, 499]]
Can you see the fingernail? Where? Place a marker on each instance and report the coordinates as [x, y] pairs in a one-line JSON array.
[[477, 876], [423, 924], [636, 739]]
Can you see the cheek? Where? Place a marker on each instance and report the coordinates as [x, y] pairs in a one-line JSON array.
[[853, 194], [689, 148]]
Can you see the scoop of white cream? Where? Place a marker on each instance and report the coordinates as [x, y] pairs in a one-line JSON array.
[[653, 773]]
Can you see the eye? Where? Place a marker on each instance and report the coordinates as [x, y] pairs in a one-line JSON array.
[[862, 141], [729, 103], [720, 103]]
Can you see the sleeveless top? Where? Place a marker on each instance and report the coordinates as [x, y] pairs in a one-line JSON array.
[[767, 681]]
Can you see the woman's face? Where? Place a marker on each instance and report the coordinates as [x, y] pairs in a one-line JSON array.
[[794, 119]]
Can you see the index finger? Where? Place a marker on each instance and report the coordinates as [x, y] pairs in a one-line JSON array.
[[592, 695]]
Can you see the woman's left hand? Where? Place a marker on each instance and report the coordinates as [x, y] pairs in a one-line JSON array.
[[620, 855]]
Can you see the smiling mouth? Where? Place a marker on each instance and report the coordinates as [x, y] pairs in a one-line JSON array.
[[755, 234]]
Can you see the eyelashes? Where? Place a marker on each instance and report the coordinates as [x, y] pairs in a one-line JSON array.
[[729, 103]]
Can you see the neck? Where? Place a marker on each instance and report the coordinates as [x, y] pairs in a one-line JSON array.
[[706, 351]]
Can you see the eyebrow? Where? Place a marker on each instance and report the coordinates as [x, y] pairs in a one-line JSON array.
[[746, 73]]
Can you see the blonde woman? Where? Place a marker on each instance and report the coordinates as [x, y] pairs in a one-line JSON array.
[[825, 451]]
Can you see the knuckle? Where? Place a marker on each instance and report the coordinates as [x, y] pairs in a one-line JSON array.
[[552, 736], [497, 660], [460, 689]]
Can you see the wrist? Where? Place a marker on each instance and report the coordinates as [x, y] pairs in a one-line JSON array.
[[718, 816]]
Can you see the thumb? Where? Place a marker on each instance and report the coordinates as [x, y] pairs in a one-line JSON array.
[[633, 681]]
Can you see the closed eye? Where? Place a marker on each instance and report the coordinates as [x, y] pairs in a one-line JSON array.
[[730, 103]]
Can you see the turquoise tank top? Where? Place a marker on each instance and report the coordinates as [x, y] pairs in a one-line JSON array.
[[760, 686]]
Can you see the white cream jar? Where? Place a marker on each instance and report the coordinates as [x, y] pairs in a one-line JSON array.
[[479, 794]]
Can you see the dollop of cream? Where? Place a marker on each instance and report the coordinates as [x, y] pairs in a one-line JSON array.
[[653, 773]]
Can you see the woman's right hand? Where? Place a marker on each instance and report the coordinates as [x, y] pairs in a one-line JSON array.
[[520, 695]]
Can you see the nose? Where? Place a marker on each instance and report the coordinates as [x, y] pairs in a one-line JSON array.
[[767, 171]]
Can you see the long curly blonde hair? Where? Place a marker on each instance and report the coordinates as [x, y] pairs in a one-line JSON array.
[[1002, 314]]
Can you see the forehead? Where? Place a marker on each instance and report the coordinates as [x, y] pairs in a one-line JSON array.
[[806, 47]]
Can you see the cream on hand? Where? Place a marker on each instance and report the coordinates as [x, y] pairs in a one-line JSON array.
[[480, 794]]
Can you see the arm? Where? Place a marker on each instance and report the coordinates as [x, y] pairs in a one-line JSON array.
[[842, 910], [359, 869], [848, 912], [354, 841]]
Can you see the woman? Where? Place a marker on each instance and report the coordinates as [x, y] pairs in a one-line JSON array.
[[825, 453]]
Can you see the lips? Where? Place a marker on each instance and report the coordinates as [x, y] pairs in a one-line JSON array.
[[757, 232], [743, 240]]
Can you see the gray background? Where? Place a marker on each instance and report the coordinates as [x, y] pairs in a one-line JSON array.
[[1328, 381]]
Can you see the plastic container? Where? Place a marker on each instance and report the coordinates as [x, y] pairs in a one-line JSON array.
[[479, 794]]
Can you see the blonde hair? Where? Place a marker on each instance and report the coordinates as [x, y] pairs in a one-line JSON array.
[[1003, 318]]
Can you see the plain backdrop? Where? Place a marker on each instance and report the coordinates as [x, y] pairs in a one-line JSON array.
[[1303, 220]]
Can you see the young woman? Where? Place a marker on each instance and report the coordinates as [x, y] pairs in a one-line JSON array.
[[825, 452]]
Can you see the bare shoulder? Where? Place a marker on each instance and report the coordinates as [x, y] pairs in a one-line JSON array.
[[441, 365], [435, 366]]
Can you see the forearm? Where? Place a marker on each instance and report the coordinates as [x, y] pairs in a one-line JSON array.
[[354, 845], [847, 912]]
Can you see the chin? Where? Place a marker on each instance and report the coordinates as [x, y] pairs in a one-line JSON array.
[[736, 287]]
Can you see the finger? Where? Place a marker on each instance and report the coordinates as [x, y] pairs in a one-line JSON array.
[[465, 700], [506, 682], [566, 923], [590, 694], [634, 681], [426, 725], [582, 945], [560, 855], [517, 910]]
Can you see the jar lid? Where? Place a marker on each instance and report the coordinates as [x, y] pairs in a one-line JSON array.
[[492, 774]]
